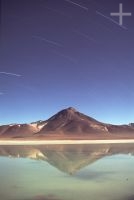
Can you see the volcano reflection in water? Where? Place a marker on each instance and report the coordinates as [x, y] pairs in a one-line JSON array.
[[52, 172]]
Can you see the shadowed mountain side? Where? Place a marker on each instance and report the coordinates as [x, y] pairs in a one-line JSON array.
[[69, 123], [67, 158], [72, 121], [3, 129], [18, 130]]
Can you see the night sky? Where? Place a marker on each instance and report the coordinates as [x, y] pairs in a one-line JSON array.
[[56, 54]]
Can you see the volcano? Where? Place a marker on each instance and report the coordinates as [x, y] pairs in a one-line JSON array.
[[68, 124]]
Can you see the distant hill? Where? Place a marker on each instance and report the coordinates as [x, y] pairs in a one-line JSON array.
[[68, 124]]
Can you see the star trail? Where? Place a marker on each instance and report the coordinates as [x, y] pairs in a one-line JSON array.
[[66, 53]]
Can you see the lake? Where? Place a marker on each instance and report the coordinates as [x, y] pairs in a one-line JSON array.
[[67, 172]]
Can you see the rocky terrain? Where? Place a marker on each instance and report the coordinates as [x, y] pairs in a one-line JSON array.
[[67, 124]]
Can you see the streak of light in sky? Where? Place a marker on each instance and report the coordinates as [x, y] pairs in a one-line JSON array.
[[85, 36], [47, 41], [10, 74], [65, 56], [83, 7], [99, 13]]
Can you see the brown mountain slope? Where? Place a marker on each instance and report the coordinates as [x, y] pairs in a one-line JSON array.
[[18, 130], [70, 121], [68, 124]]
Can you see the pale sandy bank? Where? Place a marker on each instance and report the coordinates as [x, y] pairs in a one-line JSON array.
[[39, 142]]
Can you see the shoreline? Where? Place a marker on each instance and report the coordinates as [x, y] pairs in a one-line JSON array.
[[52, 142]]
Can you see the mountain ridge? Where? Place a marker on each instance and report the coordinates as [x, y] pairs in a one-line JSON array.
[[67, 122]]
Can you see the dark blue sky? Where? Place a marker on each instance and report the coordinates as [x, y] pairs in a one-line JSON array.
[[68, 53]]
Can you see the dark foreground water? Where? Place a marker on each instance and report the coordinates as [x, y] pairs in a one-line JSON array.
[[67, 172]]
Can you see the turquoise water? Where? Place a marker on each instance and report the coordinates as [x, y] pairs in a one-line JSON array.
[[67, 172]]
